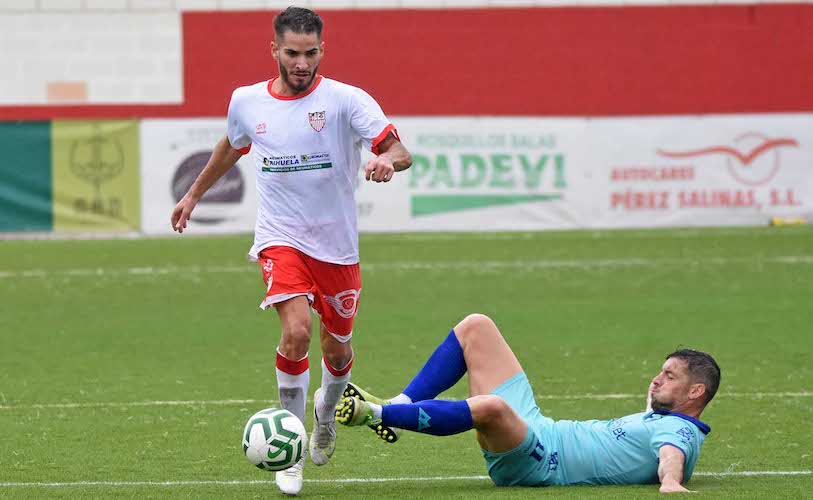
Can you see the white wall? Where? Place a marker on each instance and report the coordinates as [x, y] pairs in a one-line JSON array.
[[90, 57]]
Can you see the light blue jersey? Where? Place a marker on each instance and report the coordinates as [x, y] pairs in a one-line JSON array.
[[619, 451], [623, 450]]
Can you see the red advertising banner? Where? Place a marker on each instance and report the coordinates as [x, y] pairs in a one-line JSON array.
[[584, 61]]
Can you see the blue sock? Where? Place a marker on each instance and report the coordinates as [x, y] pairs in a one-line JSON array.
[[436, 417], [443, 369]]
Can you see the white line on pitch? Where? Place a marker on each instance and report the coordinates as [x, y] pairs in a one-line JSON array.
[[354, 480], [554, 235], [238, 402], [129, 404], [472, 266]]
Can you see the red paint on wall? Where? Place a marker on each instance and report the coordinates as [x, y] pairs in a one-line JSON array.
[[536, 61]]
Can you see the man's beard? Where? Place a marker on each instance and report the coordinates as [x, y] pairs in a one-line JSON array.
[[283, 73], [662, 405]]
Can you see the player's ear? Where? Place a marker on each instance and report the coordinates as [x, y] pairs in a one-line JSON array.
[[322, 48], [697, 391], [274, 50]]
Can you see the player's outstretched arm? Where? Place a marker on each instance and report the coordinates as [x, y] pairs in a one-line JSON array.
[[393, 157], [223, 158], [670, 469]]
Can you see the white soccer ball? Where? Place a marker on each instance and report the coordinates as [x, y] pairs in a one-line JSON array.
[[274, 439]]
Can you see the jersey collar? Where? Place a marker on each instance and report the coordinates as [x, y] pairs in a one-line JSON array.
[[293, 97], [705, 429]]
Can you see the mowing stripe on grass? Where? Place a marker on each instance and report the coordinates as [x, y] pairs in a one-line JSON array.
[[469, 266], [237, 402], [646, 233], [351, 480]]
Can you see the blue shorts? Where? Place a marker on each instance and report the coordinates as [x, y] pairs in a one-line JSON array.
[[528, 464]]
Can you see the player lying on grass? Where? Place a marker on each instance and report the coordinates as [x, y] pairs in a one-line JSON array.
[[521, 446]]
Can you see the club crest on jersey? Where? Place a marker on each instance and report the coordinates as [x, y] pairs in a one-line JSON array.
[[344, 302], [317, 120], [260, 129]]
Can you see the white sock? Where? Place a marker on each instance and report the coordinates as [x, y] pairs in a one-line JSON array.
[[293, 378], [401, 399], [376, 411], [334, 383]]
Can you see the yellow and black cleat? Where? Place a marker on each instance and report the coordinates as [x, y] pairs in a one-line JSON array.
[[385, 433], [347, 412], [353, 390]]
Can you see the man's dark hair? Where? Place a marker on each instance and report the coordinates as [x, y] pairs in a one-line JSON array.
[[298, 20], [702, 368]]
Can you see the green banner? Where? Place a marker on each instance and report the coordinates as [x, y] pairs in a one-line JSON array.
[[96, 176], [25, 176]]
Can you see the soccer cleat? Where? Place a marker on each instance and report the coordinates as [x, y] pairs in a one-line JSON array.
[[353, 390], [289, 480], [323, 438], [354, 412], [386, 433]]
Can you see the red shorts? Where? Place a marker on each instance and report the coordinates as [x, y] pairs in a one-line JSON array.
[[332, 289]]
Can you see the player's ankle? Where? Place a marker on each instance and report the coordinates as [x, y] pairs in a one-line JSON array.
[[325, 413], [401, 399], [376, 409]]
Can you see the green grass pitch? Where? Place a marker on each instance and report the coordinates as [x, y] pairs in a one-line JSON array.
[[129, 367]]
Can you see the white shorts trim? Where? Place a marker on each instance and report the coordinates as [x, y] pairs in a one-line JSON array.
[[282, 297], [341, 338]]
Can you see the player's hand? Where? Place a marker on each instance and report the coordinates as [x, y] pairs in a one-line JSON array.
[[379, 169], [673, 487], [183, 213]]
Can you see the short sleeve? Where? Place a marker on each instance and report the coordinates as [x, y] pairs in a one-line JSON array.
[[368, 120], [238, 139], [682, 437]]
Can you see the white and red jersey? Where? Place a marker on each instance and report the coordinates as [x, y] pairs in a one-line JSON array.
[[307, 152]]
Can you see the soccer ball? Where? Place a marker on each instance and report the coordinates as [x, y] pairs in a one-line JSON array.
[[274, 439]]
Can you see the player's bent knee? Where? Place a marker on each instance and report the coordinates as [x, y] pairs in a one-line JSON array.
[[296, 340], [478, 321], [489, 410], [474, 324], [299, 332]]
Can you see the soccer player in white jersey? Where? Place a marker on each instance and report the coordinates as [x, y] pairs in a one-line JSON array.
[[521, 446], [305, 133]]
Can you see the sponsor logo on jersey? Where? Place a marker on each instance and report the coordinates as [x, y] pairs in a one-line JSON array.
[[261, 128], [317, 120], [344, 302], [686, 435], [315, 157], [297, 163]]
